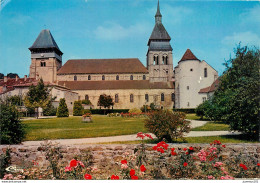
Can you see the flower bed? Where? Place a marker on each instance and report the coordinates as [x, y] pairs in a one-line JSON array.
[[159, 161]]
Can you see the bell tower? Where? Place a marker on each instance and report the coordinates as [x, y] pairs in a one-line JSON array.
[[159, 55], [46, 57]]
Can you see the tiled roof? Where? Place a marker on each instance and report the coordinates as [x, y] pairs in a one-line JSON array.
[[159, 34], [45, 40], [188, 55], [211, 88], [112, 85], [103, 66]]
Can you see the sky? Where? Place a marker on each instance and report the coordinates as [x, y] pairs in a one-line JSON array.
[[85, 29]]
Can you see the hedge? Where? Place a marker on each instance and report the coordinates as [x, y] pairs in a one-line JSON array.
[[101, 111], [185, 110]]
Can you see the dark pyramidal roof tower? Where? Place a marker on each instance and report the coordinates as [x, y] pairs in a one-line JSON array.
[[46, 57], [159, 55]]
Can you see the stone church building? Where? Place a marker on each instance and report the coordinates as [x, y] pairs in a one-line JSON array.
[[127, 80]]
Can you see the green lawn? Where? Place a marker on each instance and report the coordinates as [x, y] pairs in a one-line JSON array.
[[72, 127], [212, 126]]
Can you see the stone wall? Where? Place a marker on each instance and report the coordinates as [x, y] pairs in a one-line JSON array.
[[105, 156]]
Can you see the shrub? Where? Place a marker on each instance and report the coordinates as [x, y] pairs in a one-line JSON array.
[[152, 106], [145, 108], [87, 102], [77, 108], [135, 110], [5, 161], [86, 111], [107, 111], [200, 111], [62, 110], [49, 110], [187, 111], [12, 131], [167, 124]]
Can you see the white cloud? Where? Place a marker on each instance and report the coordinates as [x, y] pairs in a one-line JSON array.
[[116, 31], [246, 38]]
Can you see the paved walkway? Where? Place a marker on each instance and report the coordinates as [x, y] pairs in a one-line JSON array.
[[132, 137]]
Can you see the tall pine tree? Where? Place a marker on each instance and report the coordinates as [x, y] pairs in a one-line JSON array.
[[62, 110]]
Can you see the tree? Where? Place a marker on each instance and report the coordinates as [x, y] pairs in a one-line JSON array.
[[105, 101], [2, 76], [12, 75], [12, 131], [37, 96], [237, 97], [62, 110], [15, 100], [77, 108], [167, 125]]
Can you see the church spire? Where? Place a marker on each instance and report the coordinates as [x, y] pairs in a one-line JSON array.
[[158, 15]]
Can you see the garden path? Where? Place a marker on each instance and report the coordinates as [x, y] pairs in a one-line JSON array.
[[194, 123]]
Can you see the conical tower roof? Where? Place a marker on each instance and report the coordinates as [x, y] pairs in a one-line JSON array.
[[45, 40], [188, 55]]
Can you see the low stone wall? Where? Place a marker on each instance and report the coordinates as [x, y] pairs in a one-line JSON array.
[[108, 155]]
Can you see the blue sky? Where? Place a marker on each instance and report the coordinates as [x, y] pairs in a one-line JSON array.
[[121, 28]]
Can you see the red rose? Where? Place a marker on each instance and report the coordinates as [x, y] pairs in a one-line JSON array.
[[191, 148], [185, 149], [243, 166], [258, 164], [73, 163], [134, 177], [87, 176], [172, 149], [124, 161], [224, 146], [154, 148], [114, 177], [132, 172], [185, 164], [142, 168], [174, 153], [187, 153]]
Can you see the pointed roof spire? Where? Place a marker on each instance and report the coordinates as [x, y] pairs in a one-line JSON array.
[[188, 55], [158, 13], [45, 40]]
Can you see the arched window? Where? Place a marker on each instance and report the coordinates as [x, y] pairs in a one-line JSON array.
[[132, 98], [75, 78], [131, 77], [89, 77], [117, 77], [205, 72], [146, 97], [86, 97], [103, 77], [144, 77], [156, 60], [116, 98], [166, 60], [162, 97], [173, 97]]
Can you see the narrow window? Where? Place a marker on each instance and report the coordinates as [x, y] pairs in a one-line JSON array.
[[75, 78], [132, 98], [205, 72], [89, 77], [103, 77], [116, 98], [163, 60], [157, 60], [154, 60], [43, 64], [117, 77], [162, 97], [204, 99], [188, 87], [131, 77], [144, 77], [166, 60], [188, 104], [86, 97], [146, 97], [173, 97]]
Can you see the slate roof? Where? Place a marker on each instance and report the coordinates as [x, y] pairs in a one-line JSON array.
[[103, 66], [115, 85], [188, 55], [159, 34], [45, 40], [211, 88], [160, 46]]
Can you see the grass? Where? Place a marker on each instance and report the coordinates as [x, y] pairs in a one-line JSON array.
[[212, 126], [73, 127], [208, 140], [193, 116]]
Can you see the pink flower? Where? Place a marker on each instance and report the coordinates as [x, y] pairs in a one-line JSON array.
[[68, 169], [211, 177], [218, 164], [81, 164], [226, 177], [124, 166]]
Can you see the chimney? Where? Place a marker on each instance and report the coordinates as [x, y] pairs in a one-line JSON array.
[[25, 77], [16, 78], [5, 79]]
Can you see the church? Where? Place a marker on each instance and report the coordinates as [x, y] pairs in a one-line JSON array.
[[126, 80]]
